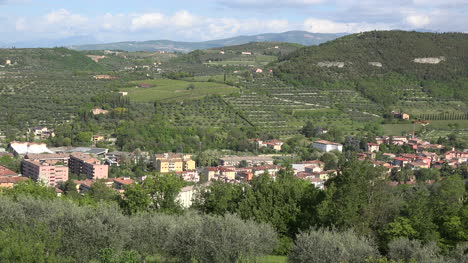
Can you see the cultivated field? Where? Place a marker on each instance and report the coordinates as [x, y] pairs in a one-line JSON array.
[[175, 90]]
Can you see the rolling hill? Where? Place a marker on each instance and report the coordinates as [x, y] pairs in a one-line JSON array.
[[376, 61], [298, 37]]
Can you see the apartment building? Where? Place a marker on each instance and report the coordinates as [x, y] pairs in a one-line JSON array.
[[45, 172], [170, 162], [81, 163]]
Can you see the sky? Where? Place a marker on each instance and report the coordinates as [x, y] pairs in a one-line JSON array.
[[101, 21]]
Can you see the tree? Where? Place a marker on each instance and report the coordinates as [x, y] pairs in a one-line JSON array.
[[331, 246], [135, 199], [99, 192], [31, 188], [21, 243], [163, 190]]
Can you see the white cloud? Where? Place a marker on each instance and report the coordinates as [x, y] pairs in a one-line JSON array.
[[184, 19], [148, 21], [327, 26], [417, 20], [269, 3]]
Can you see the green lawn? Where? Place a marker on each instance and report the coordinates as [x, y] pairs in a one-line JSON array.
[[274, 259], [397, 129], [175, 90]]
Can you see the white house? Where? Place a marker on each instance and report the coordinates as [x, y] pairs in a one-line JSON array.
[[327, 146]]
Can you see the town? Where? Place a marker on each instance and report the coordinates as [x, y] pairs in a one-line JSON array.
[[53, 167]]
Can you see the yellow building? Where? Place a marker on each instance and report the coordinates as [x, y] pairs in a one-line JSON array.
[[165, 163]]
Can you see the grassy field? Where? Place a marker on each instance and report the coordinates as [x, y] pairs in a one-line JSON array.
[[441, 128], [274, 259], [175, 90]]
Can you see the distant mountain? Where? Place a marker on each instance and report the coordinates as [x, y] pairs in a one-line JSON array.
[[298, 37]]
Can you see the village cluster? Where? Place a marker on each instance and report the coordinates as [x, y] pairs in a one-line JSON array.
[[54, 165]]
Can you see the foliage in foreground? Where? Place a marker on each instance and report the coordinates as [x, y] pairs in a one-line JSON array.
[[61, 230]]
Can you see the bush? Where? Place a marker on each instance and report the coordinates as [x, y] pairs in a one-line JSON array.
[[103, 232], [406, 250], [331, 246]]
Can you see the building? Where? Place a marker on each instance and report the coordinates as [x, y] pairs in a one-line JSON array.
[[44, 172], [97, 111], [81, 163], [50, 158], [23, 148], [97, 138], [186, 196], [189, 176], [372, 147], [272, 144], [171, 162], [233, 160], [300, 167], [327, 146], [9, 181], [104, 77], [247, 53], [121, 182], [7, 172], [400, 115], [41, 132]]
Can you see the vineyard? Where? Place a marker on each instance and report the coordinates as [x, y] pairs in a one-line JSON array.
[[43, 98]]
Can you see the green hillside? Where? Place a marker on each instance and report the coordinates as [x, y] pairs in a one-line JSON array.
[[46, 59], [437, 63]]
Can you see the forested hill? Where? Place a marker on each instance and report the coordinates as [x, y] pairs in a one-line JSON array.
[[299, 37], [427, 56], [46, 59]]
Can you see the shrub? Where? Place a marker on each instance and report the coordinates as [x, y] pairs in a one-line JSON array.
[[405, 249], [331, 246]]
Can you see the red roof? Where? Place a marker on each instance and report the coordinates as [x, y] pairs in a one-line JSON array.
[[124, 180], [372, 144], [6, 172], [402, 159], [12, 180], [326, 142]]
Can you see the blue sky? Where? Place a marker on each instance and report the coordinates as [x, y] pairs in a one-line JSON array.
[[196, 20]]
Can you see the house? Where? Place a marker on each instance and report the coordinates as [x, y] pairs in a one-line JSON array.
[[274, 144], [257, 70], [97, 138], [225, 172], [7, 172], [81, 163], [41, 171], [97, 111], [247, 53], [327, 146], [233, 160], [9, 181], [300, 167], [23, 148], [400, 161], [313, 169], [270, 169], [41, 132], [121, 182], [105, 77], [171, 162], [189, 176], [372, 147], [418, 165], [123, 93], [222, 52], [400, 115]]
